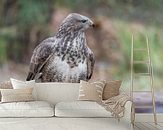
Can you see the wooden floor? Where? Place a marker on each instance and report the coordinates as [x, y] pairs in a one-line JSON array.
[[148, 126]]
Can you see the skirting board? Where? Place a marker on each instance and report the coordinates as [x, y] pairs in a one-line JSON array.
[[148, 117]]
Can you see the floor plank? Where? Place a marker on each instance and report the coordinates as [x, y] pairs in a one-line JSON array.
[[151, 126], [136, 128], [141, 126], [161, 124], [148, 126], [158, 126]]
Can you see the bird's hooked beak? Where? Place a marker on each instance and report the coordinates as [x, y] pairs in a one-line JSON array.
[[91, 24]]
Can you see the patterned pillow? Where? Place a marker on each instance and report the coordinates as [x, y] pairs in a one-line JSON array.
[[16, 95], [91, 91], [5, 85], [111, 89]]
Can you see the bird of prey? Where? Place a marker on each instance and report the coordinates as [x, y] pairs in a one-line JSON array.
[[64, 57]]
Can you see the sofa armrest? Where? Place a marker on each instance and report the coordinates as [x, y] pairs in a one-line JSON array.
[[126, 120], [127, 112]]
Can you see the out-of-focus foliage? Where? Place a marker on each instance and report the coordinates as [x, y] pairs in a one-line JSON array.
[[32, 13], [22, 23]]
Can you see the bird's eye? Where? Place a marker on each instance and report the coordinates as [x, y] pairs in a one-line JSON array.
[[83, 21]]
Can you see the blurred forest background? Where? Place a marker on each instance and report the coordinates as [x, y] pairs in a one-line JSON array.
[[25, 23]]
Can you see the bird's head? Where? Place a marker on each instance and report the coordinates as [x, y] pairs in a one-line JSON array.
[[76, 22]]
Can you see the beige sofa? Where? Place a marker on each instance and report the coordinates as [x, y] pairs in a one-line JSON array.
[[69, 113]]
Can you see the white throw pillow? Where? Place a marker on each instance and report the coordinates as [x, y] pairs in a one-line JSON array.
[[80, 109], [17, 84], [26, 109]]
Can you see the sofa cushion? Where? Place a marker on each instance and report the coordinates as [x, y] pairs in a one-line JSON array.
[[80, 109], [26, 109]]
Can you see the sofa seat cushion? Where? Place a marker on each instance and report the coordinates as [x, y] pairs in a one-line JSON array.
[[26, 109], [80, 109]]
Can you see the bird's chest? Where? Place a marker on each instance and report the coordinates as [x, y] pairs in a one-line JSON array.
[[70, 54], [61, 66], [73, 55], [73, 58]]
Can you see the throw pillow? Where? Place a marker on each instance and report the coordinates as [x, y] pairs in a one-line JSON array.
[[91, 91], [111, 89], [5, 85], [16, 95], [17, 84]]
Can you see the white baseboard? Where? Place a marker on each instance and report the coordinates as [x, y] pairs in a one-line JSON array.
[[148, 117]]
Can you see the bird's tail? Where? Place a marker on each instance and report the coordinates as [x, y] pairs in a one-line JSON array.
[[30, 76]]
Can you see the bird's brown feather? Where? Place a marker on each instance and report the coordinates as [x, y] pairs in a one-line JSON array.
[[40, 57]]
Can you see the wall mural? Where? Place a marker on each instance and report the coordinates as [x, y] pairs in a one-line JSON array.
[[66, 56], [73, 50]]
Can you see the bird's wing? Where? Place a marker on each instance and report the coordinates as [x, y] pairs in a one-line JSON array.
[[40, 57], [90, 64]]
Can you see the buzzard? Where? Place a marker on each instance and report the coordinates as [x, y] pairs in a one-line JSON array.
[[64, 57]]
